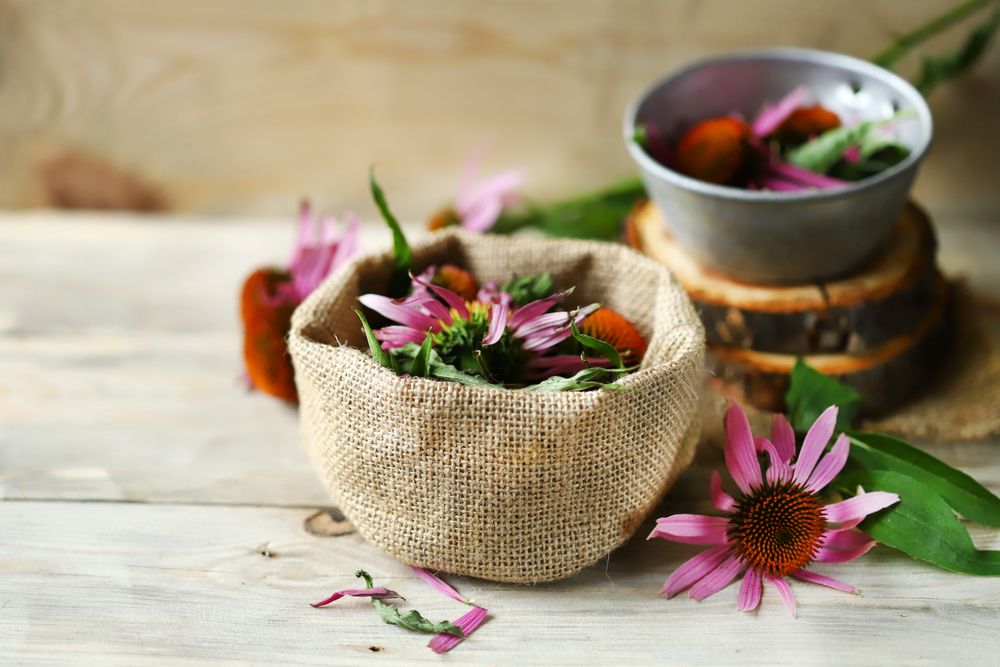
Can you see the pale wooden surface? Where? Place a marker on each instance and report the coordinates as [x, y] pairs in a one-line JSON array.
[[152, 510], [239, 106]]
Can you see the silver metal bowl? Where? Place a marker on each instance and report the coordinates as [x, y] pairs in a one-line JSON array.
[[780, 237]]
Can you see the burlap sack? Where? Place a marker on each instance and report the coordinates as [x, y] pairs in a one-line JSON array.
[[498, 483]]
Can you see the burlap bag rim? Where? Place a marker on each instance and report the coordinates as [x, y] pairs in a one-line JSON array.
[[325, 354]]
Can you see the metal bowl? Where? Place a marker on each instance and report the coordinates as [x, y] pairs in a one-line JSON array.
[[780, 237]]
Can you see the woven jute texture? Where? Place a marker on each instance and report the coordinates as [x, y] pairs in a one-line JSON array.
[[499, 483]]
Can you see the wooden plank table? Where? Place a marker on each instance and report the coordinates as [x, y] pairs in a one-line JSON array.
[[152, 510]]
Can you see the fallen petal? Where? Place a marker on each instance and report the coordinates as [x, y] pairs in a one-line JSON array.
[[439, 584], [467, 623], [380, 593]]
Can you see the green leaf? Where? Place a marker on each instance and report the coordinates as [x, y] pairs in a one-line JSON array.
[[904, 43], [594, 215], [412, 620], [402, 255], [811, 392], [822, 153], [922, 525], [588, 378], [874, 451], [421, 366], [938, 69], [380, 356], [606, 350], [525, 289], [444, 371]]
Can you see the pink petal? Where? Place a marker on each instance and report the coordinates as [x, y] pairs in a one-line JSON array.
[[797, 174], [750, 590], [409, 316], [785, 591], [467, 176], [771, 116], [720, 499], [379, 592], [453, 300], [529, 311], [779, 471], [562, 364], [443, 642], [349, 242], [692, 529], [824, 555], [776, 184], [830, 465], [498, 324], [823, 580], [859, 506], [741, 456], [496, 188], [542, 343], [439, 584], [437, 310], [843, 539], [553, 360], [717, 579], [305, 232], [783, 437], [398, 336], [482, 216], [555, 320], [694, 570], [814, 444]]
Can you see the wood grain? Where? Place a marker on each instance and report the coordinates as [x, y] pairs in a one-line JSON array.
[[243, 107], [152, 513]]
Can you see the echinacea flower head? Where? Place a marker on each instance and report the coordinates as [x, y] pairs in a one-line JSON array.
[[479, 203], [611, 327], [777, 525], [457, 279], [490, 336], [319, 250], [269, 296]]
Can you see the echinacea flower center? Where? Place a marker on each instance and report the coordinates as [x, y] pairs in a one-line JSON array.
[[776, 529], [459, 344]]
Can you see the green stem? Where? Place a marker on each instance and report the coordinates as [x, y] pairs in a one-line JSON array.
[[887, 57]]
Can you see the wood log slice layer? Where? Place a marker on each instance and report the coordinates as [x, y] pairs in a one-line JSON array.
[[855, 315], [883, 330]]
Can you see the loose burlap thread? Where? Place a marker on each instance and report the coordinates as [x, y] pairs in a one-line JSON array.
[[497, 483]]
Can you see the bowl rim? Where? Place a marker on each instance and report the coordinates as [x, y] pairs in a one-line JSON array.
[[827, 58]]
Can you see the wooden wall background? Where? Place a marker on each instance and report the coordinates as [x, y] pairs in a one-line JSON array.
[[243, 106]]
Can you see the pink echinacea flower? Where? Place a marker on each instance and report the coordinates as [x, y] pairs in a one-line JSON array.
[[777, 525]]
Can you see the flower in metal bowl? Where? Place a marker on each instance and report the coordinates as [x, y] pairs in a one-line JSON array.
[[743, 196]]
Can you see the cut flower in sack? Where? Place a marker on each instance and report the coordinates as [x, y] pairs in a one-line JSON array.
[[516, 334]]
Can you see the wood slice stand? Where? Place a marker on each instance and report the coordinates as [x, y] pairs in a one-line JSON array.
[[881, 330]]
